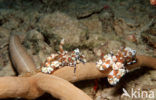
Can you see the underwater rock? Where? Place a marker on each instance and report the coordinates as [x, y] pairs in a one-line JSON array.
[[150, 40], [12, 23], [106, 94], [88, 55], [51, 1], [4, 37], [131, 38], [88, 9], [107, 19], [34, 35], [60, 25], [82, 9], [153, 31], [149, 36], [7, 70], [124, 26], [4, 42], [93, 24], [35, 43], [4, 32], [114, 45]]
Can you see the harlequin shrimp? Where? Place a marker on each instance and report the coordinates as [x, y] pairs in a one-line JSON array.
[[61, 59], [117, 62]]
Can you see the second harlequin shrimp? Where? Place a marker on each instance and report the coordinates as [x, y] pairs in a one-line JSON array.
[[117, 62]]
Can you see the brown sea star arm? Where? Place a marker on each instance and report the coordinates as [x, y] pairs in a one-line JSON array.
[[34, 86], [22, 61], [83, 72], [143, 61]]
